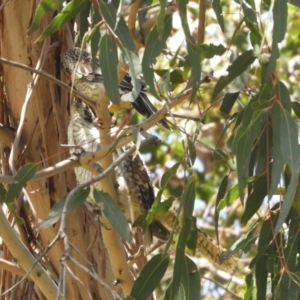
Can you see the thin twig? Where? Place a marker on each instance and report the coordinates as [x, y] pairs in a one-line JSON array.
[[97, 278], [81, 96]]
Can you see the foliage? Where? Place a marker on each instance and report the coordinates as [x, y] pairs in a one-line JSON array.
[[232, 157]]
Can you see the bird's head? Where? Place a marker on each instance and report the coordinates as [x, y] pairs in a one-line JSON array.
[[72, 57]]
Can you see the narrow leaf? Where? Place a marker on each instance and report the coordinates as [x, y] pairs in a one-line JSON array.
[[237, 68], [153, 48], [150, 277], [23, 175], [43, 7], [220, 196], [228, 102], [56, 211], [255, 199], [190, 279], [109, 61], [113, 214], [290, 153], [71, 10], [279, 29], [188, 199], [167, 175], [278, 164], [217, 7]]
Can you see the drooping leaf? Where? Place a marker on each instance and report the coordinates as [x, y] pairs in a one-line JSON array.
[[167, 175], [231, 195], [188, 199], [279, 30], [153, 48], [220, 196], [84, 20], [113, 214], [208, 51], [43, 7], [296, 108], [244, 146], [56, 211], [255, 199], [135, 70], [109, 61], [239, 66], [71, 10], [217, 7], [150, 277], [228, 102], [20, 179], [192, 49], [190, 280], [290, 154], [278, 163], [124, 35]]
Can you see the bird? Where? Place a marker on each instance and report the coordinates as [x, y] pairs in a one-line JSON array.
[[87, 78], [135, 190], [134, 186]]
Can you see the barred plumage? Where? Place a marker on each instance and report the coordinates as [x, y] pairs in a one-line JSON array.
[[135, 189]]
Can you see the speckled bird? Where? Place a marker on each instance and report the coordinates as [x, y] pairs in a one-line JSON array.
[[87, 78], [135, 189], [134, 186]]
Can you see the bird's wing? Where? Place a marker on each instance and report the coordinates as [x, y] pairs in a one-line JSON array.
[[142, 104]]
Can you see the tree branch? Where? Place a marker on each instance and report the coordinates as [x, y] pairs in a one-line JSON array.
[[25, 259]]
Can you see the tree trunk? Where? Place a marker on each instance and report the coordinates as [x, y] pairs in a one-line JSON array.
[[45, 128]]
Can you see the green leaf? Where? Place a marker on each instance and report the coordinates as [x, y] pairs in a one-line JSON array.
[[20, 179], [290, 154], [217, 7], [109, 13], [153, 48], [192, 48], [167, 175], [278, 164], [188, 199], [109, 61], [256, 198], [239, 66], [190, 279], [150, 277], [296, 108], [84, 20], [247, 136], [124, 35], [279, 29], [71, 10], [164, 206], [283, 95], [208, 51], [43, 7], [220, 196], [231, 195], [255, 35], [228, 102], [135, 70], [250, 287], [113, 214], [56, 211]]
